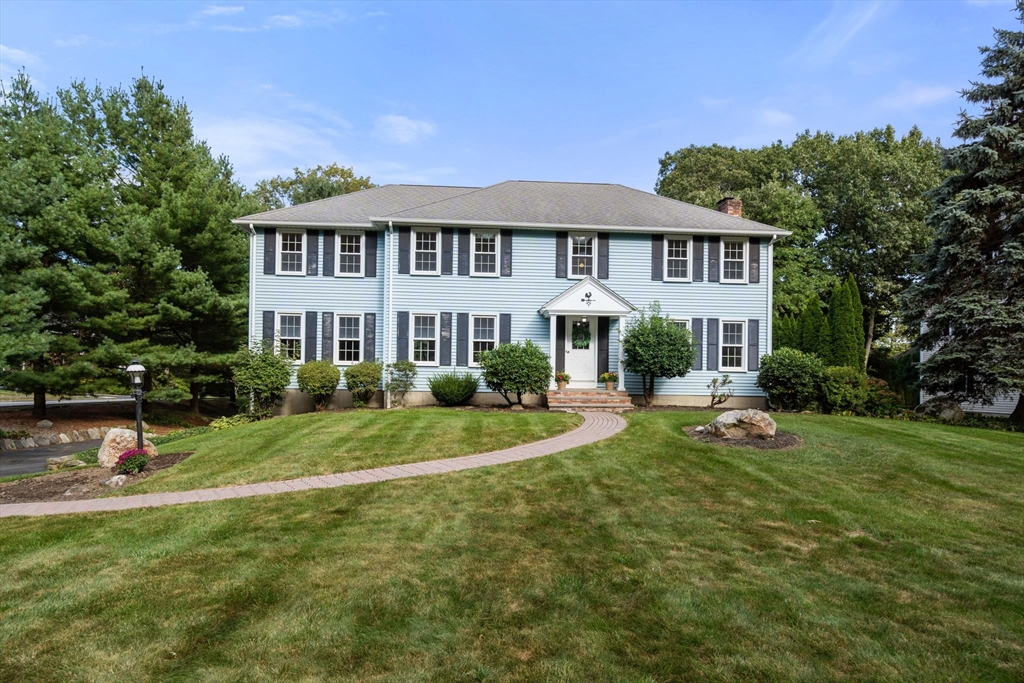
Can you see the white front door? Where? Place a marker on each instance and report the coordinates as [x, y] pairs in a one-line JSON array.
[[581, 351]]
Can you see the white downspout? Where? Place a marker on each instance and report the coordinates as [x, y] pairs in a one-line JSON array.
[[771, 291], [252, 285], [388, 258]]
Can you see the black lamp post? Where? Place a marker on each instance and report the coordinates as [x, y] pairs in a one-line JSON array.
[[136, 372]]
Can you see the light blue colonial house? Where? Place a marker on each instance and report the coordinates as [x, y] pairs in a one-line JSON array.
[[438, 275]]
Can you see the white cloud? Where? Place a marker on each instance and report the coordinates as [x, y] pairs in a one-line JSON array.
[[372, 15], [775, 118], [830, 36], [910, 96], [12, 55], [221, 10], [73, 41], [285, 21], [401, 130]]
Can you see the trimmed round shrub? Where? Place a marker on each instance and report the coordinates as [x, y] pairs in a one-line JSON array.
[[454, 388], [132, 461], [520, 368], [362, 379], [844, 389], [791, 378], [319, 379]]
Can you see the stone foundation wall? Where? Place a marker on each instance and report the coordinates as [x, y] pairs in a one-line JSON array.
[[734, 403]]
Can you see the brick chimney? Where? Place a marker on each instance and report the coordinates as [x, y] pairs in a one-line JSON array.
[[731, 206]]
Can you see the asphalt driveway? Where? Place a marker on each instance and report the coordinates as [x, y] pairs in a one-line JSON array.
[[34, 459]]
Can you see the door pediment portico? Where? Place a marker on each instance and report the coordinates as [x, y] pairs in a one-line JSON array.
[[587, 297]]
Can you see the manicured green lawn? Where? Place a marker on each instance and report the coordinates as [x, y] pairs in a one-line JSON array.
[[327, 443], [879, 551]]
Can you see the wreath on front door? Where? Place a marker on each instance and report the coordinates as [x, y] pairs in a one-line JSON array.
[[580, 337]]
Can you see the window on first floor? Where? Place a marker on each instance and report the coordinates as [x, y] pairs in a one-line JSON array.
[[733, 340], [485, 252], [484, 335], [426, 245], [289, 336], [424, 338], [350, 254], [291, 252], [581, 254], [349, 339], [682, 322]]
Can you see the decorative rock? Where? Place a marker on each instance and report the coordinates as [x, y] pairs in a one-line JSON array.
[[116, 442], [42, 440], [76, 436], [77, 490], [64, 438], [94, 433], [74, 463], [517, 407], [941, 407], [28, 443], [57, 463], [104, 430], [700, 430], [740, 424], [116, 481], [44, 424], [9, 445]]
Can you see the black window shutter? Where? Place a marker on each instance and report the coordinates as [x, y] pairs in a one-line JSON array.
[[506, 253], [714, 249], [602, 256], [312, 251], [268, 326], [755, 260], [561, 254], [269, 251], [712, 344], [402, 346], [697, 331], [657, 251], [369, 336], [753, 335], [404, 233], [698, 259], [462, 340], [447, 238], [505, 328], [446, 339], [370, 262], [602, 345], [463, 251], [310, 342], [560, 343], [327, 337], [329, 250]]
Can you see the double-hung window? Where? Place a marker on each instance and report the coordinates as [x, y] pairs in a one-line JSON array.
[[291, 252], [677, 259], [581, 254], [424, 338], [734, 261], [485, 252], [426, 259], [485, 335], [733, 338], [349, 344], [682, 322], [350, 254], [289, 336]]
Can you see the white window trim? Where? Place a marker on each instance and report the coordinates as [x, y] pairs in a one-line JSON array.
[[497, 252], [302, 335], [362, 253], [721, 346], [437, 338], [497, 333], [303, 240], [413, 250], [593, 256], [688, 322], [689, 258], [362, 340], [746, 262]]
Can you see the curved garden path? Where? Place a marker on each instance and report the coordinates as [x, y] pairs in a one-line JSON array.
[[596, 426]]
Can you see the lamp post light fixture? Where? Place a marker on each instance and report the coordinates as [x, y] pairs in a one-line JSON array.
[[136, 372]]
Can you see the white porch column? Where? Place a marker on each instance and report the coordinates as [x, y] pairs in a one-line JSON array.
[[553, 321], [622, 365]]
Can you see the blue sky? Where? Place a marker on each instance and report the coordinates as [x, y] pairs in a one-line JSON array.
[[472, 94]]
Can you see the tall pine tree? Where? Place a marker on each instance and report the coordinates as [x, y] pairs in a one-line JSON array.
[[858, 316], [969, 300], [845, 347], [811, 321]]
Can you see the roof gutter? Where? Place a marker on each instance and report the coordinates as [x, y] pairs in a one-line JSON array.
[[775, 232], [301, 224]]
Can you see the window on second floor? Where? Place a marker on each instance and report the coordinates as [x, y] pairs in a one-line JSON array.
[[677, 259], [485, 252], [426, 247], [350, 254], [734, 261], [581, 254], [291, 252]]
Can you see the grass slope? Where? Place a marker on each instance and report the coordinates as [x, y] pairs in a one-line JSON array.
[[327, 443], [879, 551]]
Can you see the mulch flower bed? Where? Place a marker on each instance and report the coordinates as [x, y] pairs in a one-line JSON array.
[[783, 441], [78, 484]]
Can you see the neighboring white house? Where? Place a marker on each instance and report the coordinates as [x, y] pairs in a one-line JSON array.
[[436, 275], [1002, 405]]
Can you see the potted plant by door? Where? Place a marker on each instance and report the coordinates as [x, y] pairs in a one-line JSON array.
[[610, 379], [562, 378]]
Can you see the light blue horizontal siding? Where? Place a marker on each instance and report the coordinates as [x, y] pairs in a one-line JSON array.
[[1002, 404]]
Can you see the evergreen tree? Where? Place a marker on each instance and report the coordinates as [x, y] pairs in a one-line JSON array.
[[824, 349], [858, 316], [811, 320], [845, 349], [969, 300]]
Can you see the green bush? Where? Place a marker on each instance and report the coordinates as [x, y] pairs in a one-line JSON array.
[[228, 422], [362, 379], [882, 401], [844, 389], [655, 346], [520, 368], [791, 378], [401, 379], [319, 379], [454, 388], [262, 375]]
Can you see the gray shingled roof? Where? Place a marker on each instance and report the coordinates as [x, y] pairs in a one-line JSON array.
[[357, 207]]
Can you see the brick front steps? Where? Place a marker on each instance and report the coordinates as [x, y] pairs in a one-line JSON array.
[[576, 400]]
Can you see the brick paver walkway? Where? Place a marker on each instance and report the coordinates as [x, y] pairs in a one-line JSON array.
[[595, 427]]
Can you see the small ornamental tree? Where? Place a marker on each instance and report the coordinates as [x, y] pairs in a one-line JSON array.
[[656, 347], [262, 375], [362, 379], [319, 379], [401, 378], [520, 368]]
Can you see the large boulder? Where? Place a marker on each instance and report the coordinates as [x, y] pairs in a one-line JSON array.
[[116, 442], [743, 424], [941, 407]]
